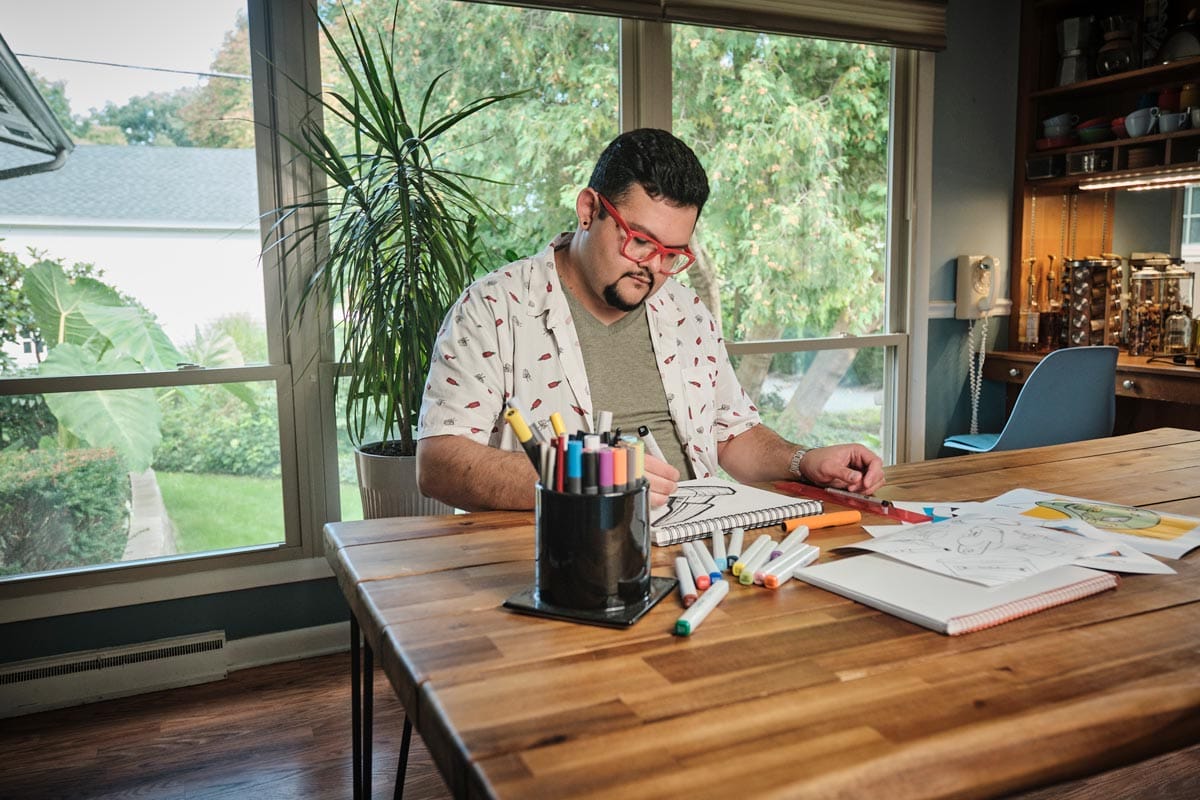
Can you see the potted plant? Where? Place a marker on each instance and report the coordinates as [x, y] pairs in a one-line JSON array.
[[401, 247]]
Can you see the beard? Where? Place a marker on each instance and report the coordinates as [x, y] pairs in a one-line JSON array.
[[614, 299]]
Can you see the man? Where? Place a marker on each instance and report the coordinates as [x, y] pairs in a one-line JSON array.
[[595, 322]]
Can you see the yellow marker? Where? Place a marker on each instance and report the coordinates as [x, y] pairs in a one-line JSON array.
[[524, 436], [514, 418], [556, 422]]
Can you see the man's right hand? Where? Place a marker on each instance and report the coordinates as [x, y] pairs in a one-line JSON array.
[[664, 480]]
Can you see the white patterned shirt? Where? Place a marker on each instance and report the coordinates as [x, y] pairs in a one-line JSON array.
[[511, 332]]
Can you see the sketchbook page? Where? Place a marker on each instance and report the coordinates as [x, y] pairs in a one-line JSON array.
[[949, 605], [1158, 533], [989, 550], [698, 506]]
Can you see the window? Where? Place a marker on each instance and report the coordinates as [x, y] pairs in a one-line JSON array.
[[795, 135], [139, 401], [176, 367]]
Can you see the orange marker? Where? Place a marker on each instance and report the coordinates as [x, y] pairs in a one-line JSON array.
[[830, 520]]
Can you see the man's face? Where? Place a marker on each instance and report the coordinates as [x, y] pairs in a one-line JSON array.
[[622, 282]]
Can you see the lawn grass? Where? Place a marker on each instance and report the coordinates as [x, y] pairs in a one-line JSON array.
[[216, 512]]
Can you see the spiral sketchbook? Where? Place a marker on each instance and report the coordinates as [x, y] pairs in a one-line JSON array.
[[697, 507], [950, 605]]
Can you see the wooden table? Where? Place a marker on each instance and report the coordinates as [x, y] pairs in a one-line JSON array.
[[1150, 394], [788, 693]]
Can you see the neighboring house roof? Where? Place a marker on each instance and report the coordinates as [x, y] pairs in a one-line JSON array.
[[139, 184]]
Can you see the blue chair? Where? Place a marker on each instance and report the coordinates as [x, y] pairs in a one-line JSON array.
[[1069, 396]]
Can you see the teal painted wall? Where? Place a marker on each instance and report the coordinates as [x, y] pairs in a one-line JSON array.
[[975, 102]]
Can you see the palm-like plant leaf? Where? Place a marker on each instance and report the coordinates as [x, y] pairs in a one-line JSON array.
[[402, 233]]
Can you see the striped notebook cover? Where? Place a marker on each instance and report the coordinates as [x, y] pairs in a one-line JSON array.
[[699, 506], [949, 605]]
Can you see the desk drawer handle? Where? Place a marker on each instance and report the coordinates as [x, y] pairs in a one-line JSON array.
[[1013, 372], [1127, 383]]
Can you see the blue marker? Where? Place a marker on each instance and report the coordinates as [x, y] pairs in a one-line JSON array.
[[574, 473]]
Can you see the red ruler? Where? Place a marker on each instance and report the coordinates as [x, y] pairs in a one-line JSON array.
[[871, 505]]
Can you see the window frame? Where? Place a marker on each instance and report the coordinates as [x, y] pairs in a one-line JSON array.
[[284, 42]]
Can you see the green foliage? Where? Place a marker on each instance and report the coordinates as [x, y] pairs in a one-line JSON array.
[[24, 421], [403, 240], [61, 509], [91, 329], [220, 434], [150, 118]]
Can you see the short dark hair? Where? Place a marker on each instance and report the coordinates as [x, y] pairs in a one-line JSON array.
[[660, 163]]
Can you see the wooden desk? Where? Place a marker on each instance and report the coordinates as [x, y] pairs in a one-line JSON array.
[[1149, 394], [795, 692]]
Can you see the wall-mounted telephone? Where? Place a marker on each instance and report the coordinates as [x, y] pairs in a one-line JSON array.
[[977, 290], [978, 287]]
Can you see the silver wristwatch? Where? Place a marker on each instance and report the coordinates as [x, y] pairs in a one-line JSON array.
[[794, 464]]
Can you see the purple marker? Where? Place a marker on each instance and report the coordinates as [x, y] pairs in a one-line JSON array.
[[606, 470]]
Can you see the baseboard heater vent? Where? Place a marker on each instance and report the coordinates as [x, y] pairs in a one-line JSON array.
[[90, 675]]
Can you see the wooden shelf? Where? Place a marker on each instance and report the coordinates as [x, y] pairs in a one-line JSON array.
[[1131, 80]]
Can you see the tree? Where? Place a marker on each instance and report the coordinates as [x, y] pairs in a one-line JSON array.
[[218, 113], [150, 118]]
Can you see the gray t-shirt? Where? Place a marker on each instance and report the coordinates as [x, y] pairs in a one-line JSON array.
[[624, 378]]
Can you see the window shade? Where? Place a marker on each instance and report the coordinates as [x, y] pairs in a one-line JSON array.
[[917, 24]]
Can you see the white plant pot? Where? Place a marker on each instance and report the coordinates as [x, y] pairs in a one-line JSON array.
[[388, 486]]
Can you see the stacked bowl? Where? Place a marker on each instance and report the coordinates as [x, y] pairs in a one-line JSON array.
[[1095, 130]]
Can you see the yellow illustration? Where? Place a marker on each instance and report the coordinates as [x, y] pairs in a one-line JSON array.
[[1114, 518]]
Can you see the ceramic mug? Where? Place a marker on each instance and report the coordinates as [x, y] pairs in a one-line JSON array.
[[1169, 123], [1061, 120], [1141, 122]]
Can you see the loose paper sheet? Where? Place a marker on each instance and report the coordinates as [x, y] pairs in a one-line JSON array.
[[987, 549], [1158, 533]]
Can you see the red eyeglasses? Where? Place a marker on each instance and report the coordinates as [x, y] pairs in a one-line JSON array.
[[640, 247]]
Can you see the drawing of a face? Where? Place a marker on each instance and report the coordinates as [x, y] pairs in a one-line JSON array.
[[1105, 516]]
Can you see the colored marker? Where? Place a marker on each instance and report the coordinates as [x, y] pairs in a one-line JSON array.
[[591, 470], [710, 566], [798, 535], [651, 446], [605, 457], [603, 421], [751, 566], [699, 573], [783, 569], [513, 417], [691, 618], [830, 520], [687, 586], [574, 475], [719, 554], [631, 467], [560, 464], [515, 404], [556, 422], [734, 551], [751, 551], [620, 468]]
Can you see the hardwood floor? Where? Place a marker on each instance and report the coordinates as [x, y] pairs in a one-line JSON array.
[[281, 731]]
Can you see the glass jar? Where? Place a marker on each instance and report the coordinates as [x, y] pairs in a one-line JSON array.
[[1177, 334]]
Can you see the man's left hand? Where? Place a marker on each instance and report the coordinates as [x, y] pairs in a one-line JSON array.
[[844, 466]]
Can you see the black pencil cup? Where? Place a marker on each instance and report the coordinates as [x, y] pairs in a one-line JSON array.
[[593, 551]]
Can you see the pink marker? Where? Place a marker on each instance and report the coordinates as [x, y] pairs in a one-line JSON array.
[[606, 470]]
